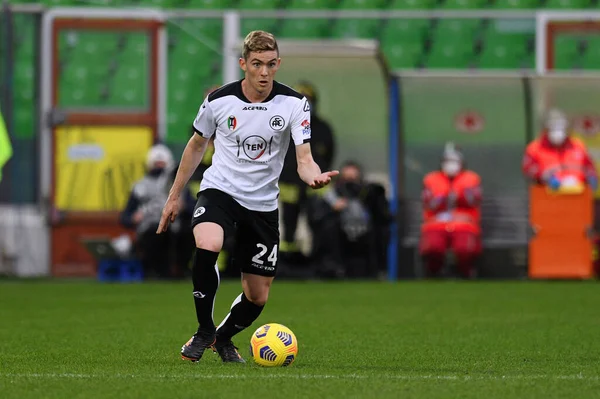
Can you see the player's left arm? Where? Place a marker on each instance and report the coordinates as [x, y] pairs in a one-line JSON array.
[[308, 170]]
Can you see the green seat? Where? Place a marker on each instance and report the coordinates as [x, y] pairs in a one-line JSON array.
[[210, 4], [251, 24], [309, 4], [401, 55], [258, 4], [356, 28], [500, 56], [516, 42], [404, 29], [591, 58], [567, 4], [137, 44], [463, 4], [566, 51], [450, 55], [456, 29], [129, 87], [24, 119], [304, 28], [516, 4], [361, 4], [412, 4], [207, 29]]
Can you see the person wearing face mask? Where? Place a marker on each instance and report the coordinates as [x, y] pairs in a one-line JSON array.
[[451, 215], [556, 159], [350, 226], [143, 212]]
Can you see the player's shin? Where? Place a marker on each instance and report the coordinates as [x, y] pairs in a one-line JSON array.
[[242, 315], [205, 278]]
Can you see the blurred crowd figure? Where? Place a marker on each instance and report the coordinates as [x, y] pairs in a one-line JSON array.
[[166, 255], [293, 192], [557, 160], [350, 227], [451, 200]]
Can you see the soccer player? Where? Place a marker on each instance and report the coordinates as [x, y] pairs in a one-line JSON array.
[[253, 119]]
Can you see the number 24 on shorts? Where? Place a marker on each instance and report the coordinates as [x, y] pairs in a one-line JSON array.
[[263, 250]]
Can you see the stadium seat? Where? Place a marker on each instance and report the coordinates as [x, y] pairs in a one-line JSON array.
[[361, 4], [402, 55], [205, 29], [591, 58], [250, 24], [450, 55], [566, 51], [500, 56], [258, 4], [516, 4], [402, 29], [463, 4], [210, 4], [567, 4], [515, 42], [356, 28], [412, 4], [310, 4], [456, 29], [304, 28]]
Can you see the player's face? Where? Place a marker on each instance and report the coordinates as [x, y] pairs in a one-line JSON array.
[[260, 69]]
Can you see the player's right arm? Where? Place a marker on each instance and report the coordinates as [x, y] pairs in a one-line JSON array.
[[204, 128]]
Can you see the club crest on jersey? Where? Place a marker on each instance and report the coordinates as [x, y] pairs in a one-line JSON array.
[[277, 122], [255, 147], [305, 127], [231, 122]]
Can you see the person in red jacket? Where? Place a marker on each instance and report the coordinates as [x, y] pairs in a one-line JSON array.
[[557, 160], [451, 215]]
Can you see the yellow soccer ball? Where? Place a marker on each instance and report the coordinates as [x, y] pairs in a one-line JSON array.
[[273, 345]]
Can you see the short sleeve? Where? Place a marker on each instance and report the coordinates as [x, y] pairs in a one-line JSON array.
[[204, 124], [301, 122]]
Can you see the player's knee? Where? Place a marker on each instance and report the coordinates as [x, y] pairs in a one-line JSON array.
[[258, 298]]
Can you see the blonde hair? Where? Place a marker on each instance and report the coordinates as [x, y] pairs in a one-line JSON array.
[[259, 41]]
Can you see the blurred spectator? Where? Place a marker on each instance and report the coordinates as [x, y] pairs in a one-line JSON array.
[[556, 159], [350, 226], [293, 192], [143, 211], [451, 215]]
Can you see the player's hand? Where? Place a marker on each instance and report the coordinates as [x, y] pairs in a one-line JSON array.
[[323, 179], [169, 213]]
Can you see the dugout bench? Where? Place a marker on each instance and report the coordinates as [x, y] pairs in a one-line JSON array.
[[505, 236]]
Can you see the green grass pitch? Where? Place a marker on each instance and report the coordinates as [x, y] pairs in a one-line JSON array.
[[371, 340]]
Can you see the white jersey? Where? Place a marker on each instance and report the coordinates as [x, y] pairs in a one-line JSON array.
[[251, 141]]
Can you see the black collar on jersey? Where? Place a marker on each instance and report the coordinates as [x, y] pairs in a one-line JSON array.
[[242, 97], [235, 89]]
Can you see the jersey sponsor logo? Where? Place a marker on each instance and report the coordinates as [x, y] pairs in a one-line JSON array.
[[255, 146], [231, 122], [305, 127], [277, 122], [199, 211], [254, 108], [306, 106]]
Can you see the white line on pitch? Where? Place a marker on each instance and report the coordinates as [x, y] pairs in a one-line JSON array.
[[300, 376]]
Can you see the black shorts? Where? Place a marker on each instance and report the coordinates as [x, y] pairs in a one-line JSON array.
[[256, 233]]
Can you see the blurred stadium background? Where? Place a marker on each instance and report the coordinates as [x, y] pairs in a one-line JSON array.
[[88, 86]]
